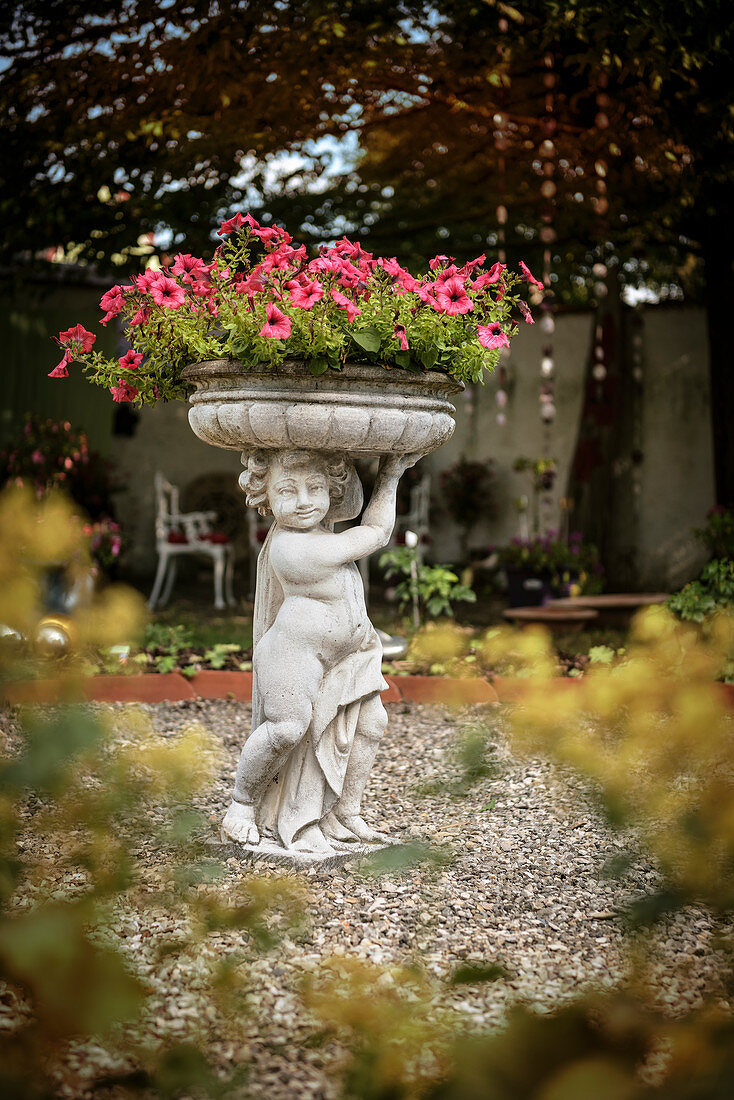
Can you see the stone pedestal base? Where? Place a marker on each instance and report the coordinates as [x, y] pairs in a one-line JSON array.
[[271, 854]]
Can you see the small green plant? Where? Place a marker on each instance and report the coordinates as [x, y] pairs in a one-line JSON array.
[[217, 655], [165, 636], [437, 586], [601, 655], [718, 533], [712, 592]]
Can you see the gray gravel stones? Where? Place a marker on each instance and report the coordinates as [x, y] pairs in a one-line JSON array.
[[520, 882]]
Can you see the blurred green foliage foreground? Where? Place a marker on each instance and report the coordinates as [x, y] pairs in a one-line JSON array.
[[650, 731]]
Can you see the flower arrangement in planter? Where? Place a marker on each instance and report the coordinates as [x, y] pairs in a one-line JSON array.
[[260, 300], [559, 567], [105, 543], [50, 454]]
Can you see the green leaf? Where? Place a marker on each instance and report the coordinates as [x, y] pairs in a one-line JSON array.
[[318, 366], [428, 358], [402, 359], [367, 338]]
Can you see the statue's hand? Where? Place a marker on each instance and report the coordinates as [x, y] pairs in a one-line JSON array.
[[396, 465]]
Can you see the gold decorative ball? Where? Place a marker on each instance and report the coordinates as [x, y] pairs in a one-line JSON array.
[[54, 637]]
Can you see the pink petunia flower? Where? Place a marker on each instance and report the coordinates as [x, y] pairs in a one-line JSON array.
[[400, 335], [252, 285], [112, 303], [325, 264], [233, 223], [440, 261], [346, 304], [60, 370], [306, 297], [352, 249], [470, 267], [201, 289], [189, 266], [273, 235], [527, 274], [77, 338], [277, 326], [131, 360], [492, 337], [445, 274], [492, 276], [148, 279], [140, 318], [283, 257], [167, 293], [452, 298], [426, 294], [525, 310], [111, 299], [349, 275], [407, 282], [391, 266], [123, 391]]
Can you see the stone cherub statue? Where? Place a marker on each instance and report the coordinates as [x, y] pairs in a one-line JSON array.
[[317, 713]]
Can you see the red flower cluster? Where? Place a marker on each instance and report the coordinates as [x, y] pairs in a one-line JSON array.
[[261, 295]]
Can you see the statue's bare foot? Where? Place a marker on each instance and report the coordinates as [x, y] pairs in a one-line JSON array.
[[312, 841], [239, 824], [336, 831], [359, 828]]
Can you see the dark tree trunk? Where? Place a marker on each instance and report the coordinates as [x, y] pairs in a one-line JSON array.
[[718, 251], [601, 479]]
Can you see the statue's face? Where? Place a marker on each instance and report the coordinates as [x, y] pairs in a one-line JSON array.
[[298, 497]]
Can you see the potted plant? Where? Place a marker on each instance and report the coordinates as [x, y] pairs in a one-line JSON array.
[[48, 456], [547, 566], [264, 308]]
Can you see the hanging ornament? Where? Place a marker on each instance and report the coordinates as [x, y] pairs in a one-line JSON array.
[[548, 190]]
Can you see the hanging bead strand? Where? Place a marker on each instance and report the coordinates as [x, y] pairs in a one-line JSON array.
[[501, 142]]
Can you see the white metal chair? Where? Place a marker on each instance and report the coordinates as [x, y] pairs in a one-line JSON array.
[[179, 533]]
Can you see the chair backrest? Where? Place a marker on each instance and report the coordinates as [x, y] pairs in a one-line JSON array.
[[166, 506], [169, 518]]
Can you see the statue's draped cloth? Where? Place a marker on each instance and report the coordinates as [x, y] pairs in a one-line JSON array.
[[310, 782]]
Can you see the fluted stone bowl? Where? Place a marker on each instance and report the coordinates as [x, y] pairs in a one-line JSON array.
[[362, 410]]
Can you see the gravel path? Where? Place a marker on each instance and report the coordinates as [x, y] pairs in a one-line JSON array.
[[522, 885]]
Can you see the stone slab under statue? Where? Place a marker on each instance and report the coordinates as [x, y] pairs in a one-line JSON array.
[[317, 713]]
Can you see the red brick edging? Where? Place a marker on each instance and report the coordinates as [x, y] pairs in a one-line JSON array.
[[155, 687]]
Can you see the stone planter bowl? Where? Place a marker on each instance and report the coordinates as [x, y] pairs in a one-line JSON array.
[[363, 410]]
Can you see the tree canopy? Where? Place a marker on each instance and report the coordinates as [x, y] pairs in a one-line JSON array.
[[404, 121], [577, 130]]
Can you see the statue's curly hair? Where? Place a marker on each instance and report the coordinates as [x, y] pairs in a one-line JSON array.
[[254, 478]]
